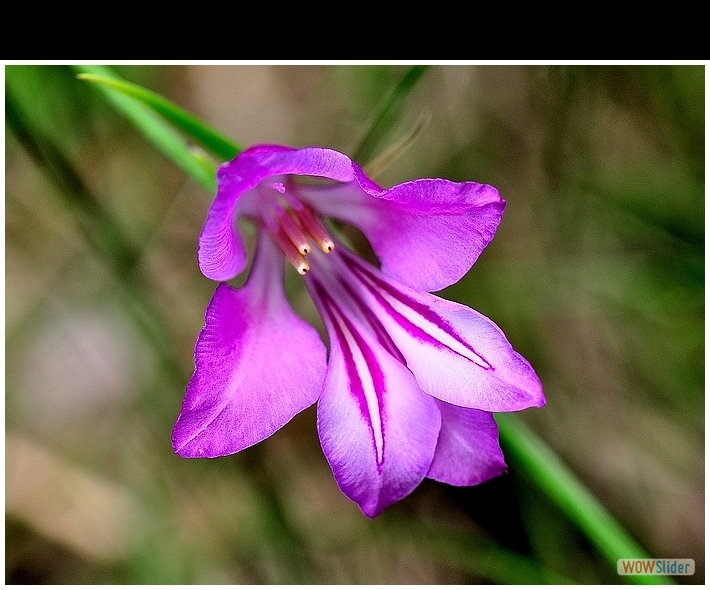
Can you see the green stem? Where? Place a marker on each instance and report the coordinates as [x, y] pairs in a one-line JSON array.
[[157, 131], [387, 114], [208, 138], [540, 463]]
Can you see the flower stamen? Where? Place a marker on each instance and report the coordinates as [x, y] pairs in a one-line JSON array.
[[292, 224], [297, 260], [294, 232], [314, 228], [308, 220]]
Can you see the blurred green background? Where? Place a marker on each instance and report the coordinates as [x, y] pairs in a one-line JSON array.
[[596, 275]]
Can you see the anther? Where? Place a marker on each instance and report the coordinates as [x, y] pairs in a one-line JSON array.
[[290, 227], [294, 233], [309, 221], [296, 259], [314, 228], [293, 225]]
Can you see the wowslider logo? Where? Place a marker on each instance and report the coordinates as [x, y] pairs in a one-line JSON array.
[[655, 567]]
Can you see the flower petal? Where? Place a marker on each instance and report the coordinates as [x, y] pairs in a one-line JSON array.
[[257, 365], [457, 354], [468, 452], [378, 430], [426, 233], [221, 253]]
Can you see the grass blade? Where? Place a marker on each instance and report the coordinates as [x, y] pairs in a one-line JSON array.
[[204, 135], [157, 131], [387, 115], [538, 462]]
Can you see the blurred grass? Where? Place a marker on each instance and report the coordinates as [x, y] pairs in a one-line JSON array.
[[596, 276]]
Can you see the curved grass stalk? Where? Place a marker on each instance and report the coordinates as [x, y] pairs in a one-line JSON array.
[[161, 134], [205, 136], [540, 463], [388, 114]]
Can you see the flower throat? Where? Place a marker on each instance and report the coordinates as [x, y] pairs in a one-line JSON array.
[[293, 225]]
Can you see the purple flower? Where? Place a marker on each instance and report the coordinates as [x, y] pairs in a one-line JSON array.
[[411, 379]]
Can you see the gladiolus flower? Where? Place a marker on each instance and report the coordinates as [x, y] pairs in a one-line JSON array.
[[410, 381]]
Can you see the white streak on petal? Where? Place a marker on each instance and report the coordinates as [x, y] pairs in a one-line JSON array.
[[367, 383]]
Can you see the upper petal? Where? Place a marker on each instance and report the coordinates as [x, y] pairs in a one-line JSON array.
[[257, 364], [221, 253], [456, 354], [468, 452], [377, 428], [426, 233]]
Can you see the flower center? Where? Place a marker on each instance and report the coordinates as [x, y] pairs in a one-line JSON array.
[[293, 225]]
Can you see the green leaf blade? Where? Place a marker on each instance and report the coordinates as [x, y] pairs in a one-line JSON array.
[[156, 130], [540, 463], [387, 114], [205, 136]]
